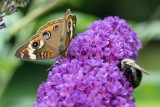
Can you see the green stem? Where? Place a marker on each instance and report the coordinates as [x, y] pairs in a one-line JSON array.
[[152, 18], [42, 9]]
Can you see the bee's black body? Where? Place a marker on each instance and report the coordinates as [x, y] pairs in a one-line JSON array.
[[132, 71]]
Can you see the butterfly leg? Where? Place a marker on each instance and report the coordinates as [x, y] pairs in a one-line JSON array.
[[63, 52], [64, 55], [50, 67]]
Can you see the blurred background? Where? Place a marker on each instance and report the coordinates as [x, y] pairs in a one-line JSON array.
[[19, 79]]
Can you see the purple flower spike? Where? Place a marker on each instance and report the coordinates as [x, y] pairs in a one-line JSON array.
[[2, 26], [8, 7], [89, 75]]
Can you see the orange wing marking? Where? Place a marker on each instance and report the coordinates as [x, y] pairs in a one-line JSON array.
[[42, 54]]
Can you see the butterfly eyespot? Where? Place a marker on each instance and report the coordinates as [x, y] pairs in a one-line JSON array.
[[56, 27], [35, 44], [46, 35]]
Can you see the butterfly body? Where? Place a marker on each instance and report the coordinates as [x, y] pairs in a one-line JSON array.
[[50, 40]]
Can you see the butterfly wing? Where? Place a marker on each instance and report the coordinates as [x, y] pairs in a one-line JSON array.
[[69, 27], [44, 44]]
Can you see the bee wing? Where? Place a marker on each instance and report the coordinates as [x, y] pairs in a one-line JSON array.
[[138, 67]]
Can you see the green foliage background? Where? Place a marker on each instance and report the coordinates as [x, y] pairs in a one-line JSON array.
[[19, 80]]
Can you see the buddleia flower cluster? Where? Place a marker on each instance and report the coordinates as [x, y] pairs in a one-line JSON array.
[[8, 7], [89, 76]]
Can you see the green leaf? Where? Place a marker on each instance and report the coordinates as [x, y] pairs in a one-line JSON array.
[[83, 21], [148, 31]]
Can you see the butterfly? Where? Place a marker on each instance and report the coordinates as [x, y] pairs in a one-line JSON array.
[[51, 40]]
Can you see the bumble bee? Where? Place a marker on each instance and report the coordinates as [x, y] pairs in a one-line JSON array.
[[134, 71]]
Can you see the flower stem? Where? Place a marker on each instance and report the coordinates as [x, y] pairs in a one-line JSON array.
[[42, 9]]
